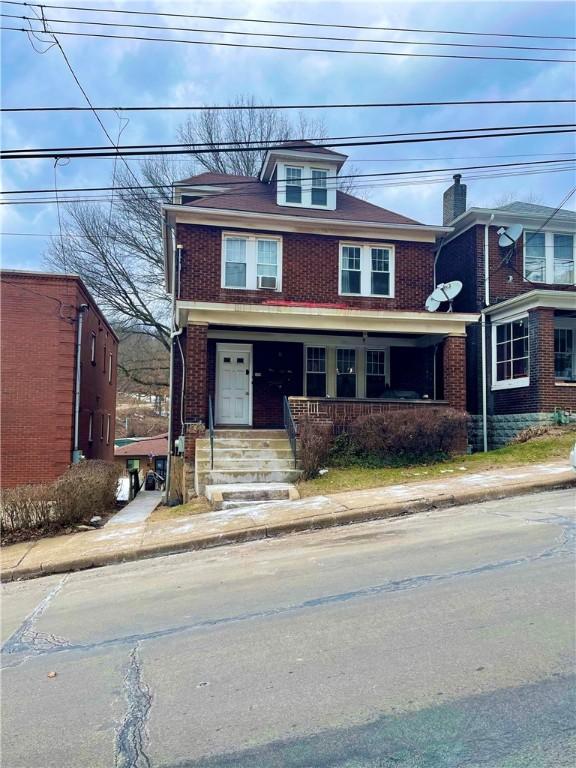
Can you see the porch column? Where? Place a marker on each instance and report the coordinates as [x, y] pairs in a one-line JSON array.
[[196, 387], [541, 392], [454, 359]]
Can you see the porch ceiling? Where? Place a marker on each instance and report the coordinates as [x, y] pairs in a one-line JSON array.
[[324, 319]]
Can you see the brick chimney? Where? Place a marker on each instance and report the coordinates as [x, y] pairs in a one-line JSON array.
[[454, 201]]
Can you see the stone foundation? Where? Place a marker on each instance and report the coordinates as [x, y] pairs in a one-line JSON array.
[[504, 427]]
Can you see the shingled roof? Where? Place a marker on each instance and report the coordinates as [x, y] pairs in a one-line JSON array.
[[247, 193]]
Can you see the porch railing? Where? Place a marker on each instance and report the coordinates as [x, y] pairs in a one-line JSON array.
[[211, 431], [290, 427]]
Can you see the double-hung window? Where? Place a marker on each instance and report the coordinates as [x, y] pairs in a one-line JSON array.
[[375, 372], [251, 262], [345, 373], [565, 353], [549, 257], [293, 185], [319, 191], [93, 348], [315, 371], [511, 357], [366, 270]]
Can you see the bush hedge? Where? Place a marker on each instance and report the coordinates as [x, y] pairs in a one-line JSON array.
[[85, 489], [314, 442]]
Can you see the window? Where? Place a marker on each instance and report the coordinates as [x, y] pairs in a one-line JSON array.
[[104, 359], [549, 257], [293, 185], [350, 264], [132, 464], [248, 258], [90, 427], [102, 427], [235, 262], [110, 368], [375, 372], [565, 354], [93, 348], [366, 270], [319, 194], [315, 372], [511, 354], [345, 373]]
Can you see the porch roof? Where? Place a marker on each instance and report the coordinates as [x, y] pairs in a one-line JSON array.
[[321, 318]]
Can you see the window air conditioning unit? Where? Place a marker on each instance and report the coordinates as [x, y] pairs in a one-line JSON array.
[[266, 281]]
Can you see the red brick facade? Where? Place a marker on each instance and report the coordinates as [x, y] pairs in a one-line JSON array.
[[39, 321], [310, 266]]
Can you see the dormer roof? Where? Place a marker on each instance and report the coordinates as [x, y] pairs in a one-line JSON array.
[[303, 151]]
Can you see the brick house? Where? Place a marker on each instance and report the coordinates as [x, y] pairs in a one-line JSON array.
[[526, 294], [42, 422], [284, 287]]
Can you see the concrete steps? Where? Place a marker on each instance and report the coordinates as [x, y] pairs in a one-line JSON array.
[[235, 495], [245, 458]]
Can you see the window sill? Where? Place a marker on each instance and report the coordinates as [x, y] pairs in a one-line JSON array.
[[510, 384], [250, 288], [368, 295], [565, 383]]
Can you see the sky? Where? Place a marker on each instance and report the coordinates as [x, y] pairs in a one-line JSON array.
[[130, 72]]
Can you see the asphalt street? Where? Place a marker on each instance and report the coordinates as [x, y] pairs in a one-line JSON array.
[[441, 640]]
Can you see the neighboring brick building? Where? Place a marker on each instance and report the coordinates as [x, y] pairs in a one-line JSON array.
[[526, 292], [40, 316], [284, 286]]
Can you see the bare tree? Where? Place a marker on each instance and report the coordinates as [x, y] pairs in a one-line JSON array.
[[117, 248]]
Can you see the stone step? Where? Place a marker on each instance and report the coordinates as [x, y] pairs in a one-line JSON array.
[[249, 454], [234, 495], [250, 434], [233, 476], [245, 466], [239, 443]]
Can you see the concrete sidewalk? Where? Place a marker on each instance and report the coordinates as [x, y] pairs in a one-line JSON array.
[[138, 539]]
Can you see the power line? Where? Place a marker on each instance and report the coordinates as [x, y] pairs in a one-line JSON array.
[[285, 36], [260, 46], [380, 142], [256, 107], [256, 181], [295, 144], [292, 23], [247, 193]]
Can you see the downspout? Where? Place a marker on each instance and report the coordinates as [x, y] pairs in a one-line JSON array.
[[76, 453], [173, 333], [483, 331], [436, 257]]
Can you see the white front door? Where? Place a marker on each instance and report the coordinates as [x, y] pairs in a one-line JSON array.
[[234, 384]]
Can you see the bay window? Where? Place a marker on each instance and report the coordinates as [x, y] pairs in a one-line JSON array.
[[366, 270], [251, 261], [345, 373], [549, 257], [510, 354], [565, 353], [316, 372]]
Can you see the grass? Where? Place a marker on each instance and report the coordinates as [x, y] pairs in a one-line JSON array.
[[555, 445], [194, 507]]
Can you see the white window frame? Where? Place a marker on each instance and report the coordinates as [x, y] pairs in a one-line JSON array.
[[565, 324], [90, 427], [108, 429], [386, 352], [110, 368], [366, 268], [93, 347], [302, 170], [306, 185], [251, 261], [522, 381], [549, 257], [322, 187], [306, 371], [330, 345]]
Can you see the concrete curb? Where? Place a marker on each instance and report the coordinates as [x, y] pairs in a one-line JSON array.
[[313, 522]]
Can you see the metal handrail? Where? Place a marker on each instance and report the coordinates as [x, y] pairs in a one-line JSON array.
[[211, 431], [290, 427]]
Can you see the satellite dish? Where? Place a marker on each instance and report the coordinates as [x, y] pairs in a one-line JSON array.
[[509, 236], [443, 292]]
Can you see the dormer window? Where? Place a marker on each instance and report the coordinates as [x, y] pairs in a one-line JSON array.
[[293, 185], [319, 190]]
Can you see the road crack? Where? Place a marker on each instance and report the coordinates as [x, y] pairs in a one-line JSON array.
[[132, 735]]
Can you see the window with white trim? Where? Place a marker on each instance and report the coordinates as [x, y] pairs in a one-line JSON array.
[[565, 353], [511, 354], [90, 427], [110, 368], [319, 191], [345, 373], [248, 258], [375, 373], [550, 257], [108, 429], [93, 348], [366, 270], [293, 184], [315, 372]]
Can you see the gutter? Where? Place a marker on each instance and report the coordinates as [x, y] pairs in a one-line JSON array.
[[483, 331]]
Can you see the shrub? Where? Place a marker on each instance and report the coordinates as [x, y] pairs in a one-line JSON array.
[[85, 489], [314, 442], [530, 433], [408, 434]]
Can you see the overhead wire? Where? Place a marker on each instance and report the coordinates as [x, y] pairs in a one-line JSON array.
[[287, 22]]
